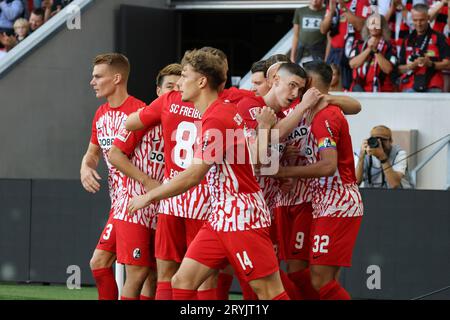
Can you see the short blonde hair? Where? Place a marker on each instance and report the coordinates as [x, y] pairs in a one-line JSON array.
[[117, 61], [21, 22]]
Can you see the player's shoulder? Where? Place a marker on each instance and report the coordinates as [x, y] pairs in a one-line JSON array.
[[250, 102], [235, 95], [329, 113]]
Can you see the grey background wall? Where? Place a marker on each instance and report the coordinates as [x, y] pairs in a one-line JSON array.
[[46, 102]]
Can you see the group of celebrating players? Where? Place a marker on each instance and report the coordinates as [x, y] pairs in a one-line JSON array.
[[208, 183]]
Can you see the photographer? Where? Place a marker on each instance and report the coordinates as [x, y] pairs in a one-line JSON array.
[[382, 164], [424, 54]]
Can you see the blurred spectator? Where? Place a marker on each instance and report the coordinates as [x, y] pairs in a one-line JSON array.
[[344, 20], [336, 84], [373, 58], [424, 54], [439, 13], [308, 43], [10, 10], [400, 20], [382, 164], [21, 29], [36, 20], [7, 42], [259, 82]]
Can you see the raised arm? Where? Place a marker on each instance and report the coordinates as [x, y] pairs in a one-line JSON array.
[[325, 167]]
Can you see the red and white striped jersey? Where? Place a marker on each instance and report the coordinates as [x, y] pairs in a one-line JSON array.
[[300, 192], [180, 122], [336, 196], [145, 149], [105, 127], [248, 108], [237, 201]]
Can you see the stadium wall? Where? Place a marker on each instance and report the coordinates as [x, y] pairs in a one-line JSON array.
[[401, 251], [46, 102]]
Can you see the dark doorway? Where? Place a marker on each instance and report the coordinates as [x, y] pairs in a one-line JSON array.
[[245, 36]]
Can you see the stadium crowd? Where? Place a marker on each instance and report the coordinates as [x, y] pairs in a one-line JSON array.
[[377, 45], [19, 18]]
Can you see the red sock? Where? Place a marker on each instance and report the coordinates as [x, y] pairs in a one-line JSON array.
[[210, 294], [302, 280], [163, 291], [142, 297], [183, 294], [128, 299], [106, 284], [223, 285], [290, 287], [247, 291], [282, 296], [333, 291]]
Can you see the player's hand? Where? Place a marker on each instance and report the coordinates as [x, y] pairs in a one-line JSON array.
[[291, 153], [311, 98], [138, 202], [266, 118], [377, 152], [89, 177], [364, 148], [286, 184]]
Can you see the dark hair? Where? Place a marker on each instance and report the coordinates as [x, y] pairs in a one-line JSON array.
[[173, 69], [421, 7], [293, 69], [39, 12], [321, 69], [259, 66]]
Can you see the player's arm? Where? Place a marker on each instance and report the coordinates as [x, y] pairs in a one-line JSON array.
[[88, 173], [288, 124], [134, 122], [347, 104], [325, 167], [266, 119], [120, 160], [325, 25], [187, 179]]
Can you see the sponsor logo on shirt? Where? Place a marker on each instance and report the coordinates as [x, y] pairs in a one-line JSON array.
[[298, 132], [106, 142], [157, 156], [311, 23]]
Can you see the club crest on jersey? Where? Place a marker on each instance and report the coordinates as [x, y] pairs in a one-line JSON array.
[[137, 253], [123, 134], [253, 112]]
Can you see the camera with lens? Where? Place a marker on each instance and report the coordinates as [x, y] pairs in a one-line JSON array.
[[372, 142]]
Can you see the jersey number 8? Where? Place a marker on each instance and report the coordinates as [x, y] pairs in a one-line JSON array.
[[184, 145]]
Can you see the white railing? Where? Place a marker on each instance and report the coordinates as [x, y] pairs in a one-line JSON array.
[[239, 5], [66, 15]]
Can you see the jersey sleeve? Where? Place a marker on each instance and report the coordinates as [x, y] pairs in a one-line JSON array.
[[150, 116], [247, 110], [211, 146], [94, 138], [326, 129], [444, 49], [127, 141]]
